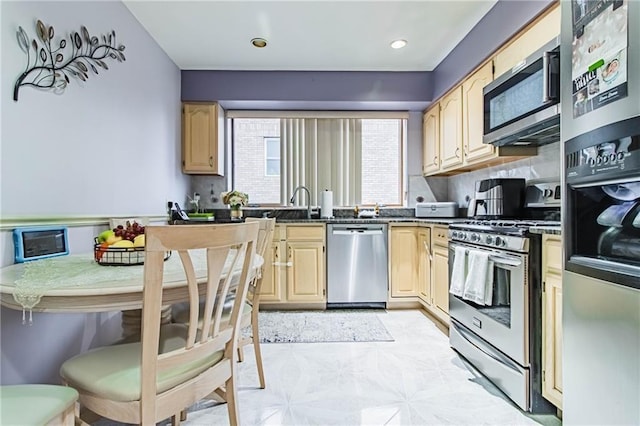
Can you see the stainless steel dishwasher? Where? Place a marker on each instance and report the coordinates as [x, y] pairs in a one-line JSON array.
[[357, 265]]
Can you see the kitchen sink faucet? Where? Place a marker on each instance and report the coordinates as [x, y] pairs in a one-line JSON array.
[[293, 199]]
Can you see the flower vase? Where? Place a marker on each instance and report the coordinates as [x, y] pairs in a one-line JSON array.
[[236, 214]]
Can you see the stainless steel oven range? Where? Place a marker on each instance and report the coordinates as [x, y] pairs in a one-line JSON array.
[[498, 328]]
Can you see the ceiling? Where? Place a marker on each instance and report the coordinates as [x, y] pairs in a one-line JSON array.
[[308, 35]]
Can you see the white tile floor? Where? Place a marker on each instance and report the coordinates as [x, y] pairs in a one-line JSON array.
[[415, 380]]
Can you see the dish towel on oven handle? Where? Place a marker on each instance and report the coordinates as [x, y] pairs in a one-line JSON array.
[[478, 287], [459, 272]]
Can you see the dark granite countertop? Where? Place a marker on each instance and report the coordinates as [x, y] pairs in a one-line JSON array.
[[292, 215], [388, 220]]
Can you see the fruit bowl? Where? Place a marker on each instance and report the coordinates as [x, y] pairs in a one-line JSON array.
[[119, 256]]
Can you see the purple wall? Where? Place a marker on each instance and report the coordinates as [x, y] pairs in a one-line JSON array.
[[325, 90], [355, 90]]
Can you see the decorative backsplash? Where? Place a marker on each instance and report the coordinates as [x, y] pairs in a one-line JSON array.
[[544, 166]]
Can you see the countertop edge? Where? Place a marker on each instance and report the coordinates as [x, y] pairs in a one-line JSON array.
[[555, 230]]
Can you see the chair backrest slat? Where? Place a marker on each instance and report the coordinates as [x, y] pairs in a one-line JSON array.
[[230, 250]]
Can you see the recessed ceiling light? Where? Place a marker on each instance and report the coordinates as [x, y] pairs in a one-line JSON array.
[[398, 44], [259, 42]]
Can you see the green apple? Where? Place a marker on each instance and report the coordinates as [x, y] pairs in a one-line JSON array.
[[104, 235]]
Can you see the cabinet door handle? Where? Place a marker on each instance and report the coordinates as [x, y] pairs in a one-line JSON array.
[[275, 252], [210, 161], [435, 160], [457, 152]]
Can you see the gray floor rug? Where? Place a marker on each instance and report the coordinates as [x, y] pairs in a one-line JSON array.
[[322, 326]]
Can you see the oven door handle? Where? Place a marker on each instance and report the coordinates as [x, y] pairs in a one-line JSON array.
[[506, 261], [473, 340]]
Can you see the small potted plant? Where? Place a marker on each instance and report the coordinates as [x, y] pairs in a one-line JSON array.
[[236, 200]]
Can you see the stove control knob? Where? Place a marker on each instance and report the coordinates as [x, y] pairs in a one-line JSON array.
[[455, 234], [501, 242], [462, 235], [489, 239], [475, 237]]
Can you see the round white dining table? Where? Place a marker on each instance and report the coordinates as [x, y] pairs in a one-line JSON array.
[[76, 283]]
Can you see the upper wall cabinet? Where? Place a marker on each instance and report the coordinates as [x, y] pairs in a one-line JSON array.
[[431, 141], [533, 38], [203, 139], [472, 116], [451, 130], [453, 126]]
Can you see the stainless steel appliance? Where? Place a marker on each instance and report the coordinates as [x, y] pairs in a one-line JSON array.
[[600, 55], [501, 334], [357, 265], [521, 107], [437, 209], [497, 198]]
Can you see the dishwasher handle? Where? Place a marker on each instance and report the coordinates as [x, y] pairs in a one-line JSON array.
[[356, 231]]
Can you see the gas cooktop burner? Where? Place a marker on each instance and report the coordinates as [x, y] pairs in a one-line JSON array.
[[510, 234]]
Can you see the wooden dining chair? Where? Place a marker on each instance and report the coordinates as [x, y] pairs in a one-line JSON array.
[[176, 365], [252, 305], [27, 405], [265, 235]]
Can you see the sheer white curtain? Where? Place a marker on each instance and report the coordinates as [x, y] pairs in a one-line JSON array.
[[322, 154]]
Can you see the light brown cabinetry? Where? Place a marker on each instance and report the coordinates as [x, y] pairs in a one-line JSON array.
[[431, 140], [297, 272], [451, 130], [202, 139], [425, 259], [403, 261], [552, 319], [440, 272], [419, 266], [271, 290], [454, 145], [531, 39], [473, 116]]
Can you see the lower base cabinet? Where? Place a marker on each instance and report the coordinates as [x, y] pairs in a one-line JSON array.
[[552, 319], [403, 261], [294, 272], [419, 267], [441, 279]]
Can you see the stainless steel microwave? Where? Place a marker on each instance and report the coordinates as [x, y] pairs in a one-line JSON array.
[[522, 107]]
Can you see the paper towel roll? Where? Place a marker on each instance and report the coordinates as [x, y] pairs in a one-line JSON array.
[[326, 204]]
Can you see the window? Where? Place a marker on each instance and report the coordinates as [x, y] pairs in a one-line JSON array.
[[272, 156], [359, 159], [252, 139]]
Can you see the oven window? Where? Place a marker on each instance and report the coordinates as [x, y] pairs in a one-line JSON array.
[[500, 309], [606, 222]]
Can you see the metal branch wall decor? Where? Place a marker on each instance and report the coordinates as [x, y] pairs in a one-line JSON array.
[[49, 67]]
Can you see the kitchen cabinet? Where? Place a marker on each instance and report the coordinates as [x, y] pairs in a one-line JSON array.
[[403, 261], [473, 116], [425, 260], [440, 272], [202, 138], [552, 319], [453, 126], [451, 130], [431, 140], [296, 274], [539, 33], [270, 289]]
